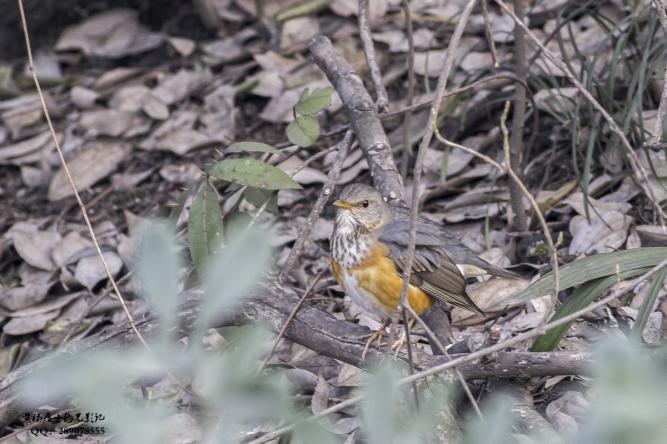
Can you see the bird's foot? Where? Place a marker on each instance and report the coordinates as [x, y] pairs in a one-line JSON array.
[[376, 336], [398, 344]]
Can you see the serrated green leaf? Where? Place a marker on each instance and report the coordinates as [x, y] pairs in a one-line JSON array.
[[204, 226], [251, 147], [593, 267], [313, 102], [303, 131], [254, 173], [581, 298]]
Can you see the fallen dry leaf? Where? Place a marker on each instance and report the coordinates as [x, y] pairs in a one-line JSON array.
[[90, 270], [604, 233], [106, 122], [29, 324], [18, 298], [111, 34], [96, 162], [35, 247]]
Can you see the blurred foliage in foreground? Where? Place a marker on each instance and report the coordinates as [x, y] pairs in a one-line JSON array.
[[237, 402]]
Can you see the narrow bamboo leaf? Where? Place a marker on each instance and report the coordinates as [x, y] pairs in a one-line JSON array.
[[204, 226], [647, 305], [303, 131], [311, 103], [249, 146], [254, 173], [581, 298], [592, 267]]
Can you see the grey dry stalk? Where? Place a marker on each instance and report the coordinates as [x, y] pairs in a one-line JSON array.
[[360, 112], [660, 7], [343, 148], [518, 121], [426, 140], [369, 51], [407, 143], [639, 172], [457, 362]]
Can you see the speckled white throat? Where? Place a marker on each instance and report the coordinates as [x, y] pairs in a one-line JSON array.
[[350, 243]]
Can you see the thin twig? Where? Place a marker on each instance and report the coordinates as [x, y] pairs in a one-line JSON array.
[[293, 313], [454, 363], [421, 153], [639, 171], [293, 173], [538, 212], [77, 196], [507, 169], [75, 324], [382, 99], [443, 350], [68, 174], [334, 173], [407, 143], [660, 6], [489, 36], [516, 145], [426, 140], [427, 103], [411, 361]]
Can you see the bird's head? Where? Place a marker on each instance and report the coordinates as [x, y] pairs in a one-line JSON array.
[[363, 206]]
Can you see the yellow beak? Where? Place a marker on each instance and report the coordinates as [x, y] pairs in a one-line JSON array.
[[343, 204]]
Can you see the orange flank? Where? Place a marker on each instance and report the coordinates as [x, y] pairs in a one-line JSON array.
[[377, 275]]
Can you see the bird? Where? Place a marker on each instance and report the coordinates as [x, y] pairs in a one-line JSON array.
[[369, 254]]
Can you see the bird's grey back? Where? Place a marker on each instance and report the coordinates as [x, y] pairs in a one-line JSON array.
[[429, 234]]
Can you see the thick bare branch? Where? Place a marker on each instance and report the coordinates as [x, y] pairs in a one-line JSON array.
[[361, 114], [311, 328]]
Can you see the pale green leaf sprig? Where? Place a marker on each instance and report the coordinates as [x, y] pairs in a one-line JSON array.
[[254, 173], [107, 381], [388, 413], [305, 129]]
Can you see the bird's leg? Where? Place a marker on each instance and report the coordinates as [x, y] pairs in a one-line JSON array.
[[374, 336], [396, 346]]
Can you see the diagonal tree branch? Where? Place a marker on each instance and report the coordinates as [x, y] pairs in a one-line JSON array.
[[360, 111]]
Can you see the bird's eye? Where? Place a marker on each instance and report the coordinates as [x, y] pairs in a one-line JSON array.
[[365, 204]]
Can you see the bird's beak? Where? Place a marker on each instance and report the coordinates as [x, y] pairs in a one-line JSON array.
[[342, 204]]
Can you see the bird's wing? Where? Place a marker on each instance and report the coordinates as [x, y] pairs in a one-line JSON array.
[[432, 234], [434, 272]]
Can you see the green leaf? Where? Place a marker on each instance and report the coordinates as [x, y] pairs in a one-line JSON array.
[[593, 267], [158, 267], [233, 271], [249, 146], [581, 298], [303, 131], [254, 173], [647, 305], [177, 209], [258, 197], [204, 226], [380, 407], [311, 103], [496, 425]]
